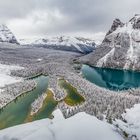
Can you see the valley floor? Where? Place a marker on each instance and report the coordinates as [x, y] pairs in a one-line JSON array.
[[99, 102]]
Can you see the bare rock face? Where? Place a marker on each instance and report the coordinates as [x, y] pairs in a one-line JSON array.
[[136, 21], [6, 35], [121, 47], [116, 23]]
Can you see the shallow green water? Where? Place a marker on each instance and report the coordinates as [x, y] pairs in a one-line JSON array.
[[17, 111], [111, 78], [73, 97]]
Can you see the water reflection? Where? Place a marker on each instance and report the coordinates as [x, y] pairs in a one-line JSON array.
[[111, 78]]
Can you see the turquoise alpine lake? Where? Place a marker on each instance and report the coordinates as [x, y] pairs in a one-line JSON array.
[[112, 79]]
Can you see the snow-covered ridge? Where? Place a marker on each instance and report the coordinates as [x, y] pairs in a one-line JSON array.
[[79, 127], [78, 44], [6, 35], [124, 40]]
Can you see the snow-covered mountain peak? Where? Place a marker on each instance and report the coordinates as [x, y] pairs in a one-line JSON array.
[[116, 23], [6, 35], [128, 27]]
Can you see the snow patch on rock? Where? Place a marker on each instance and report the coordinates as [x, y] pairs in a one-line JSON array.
[[103, 60]]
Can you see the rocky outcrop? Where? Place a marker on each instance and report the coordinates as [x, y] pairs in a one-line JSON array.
[[116, 23]]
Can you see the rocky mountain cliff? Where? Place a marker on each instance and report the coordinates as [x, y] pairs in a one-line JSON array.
[[120, 48], [6, 35], [66, 43]]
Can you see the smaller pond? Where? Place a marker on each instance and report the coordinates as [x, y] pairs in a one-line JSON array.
[[111, 78], [73, 97]]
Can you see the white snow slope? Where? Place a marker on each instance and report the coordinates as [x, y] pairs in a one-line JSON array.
[[5, 77], [79, 127], [132, 122]]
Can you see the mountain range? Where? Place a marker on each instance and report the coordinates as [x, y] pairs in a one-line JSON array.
[[66, 43]]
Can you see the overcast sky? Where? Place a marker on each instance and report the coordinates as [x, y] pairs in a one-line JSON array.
[[71, 17]]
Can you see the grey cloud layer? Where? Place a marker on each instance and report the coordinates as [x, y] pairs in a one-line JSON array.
[[78, 15]]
